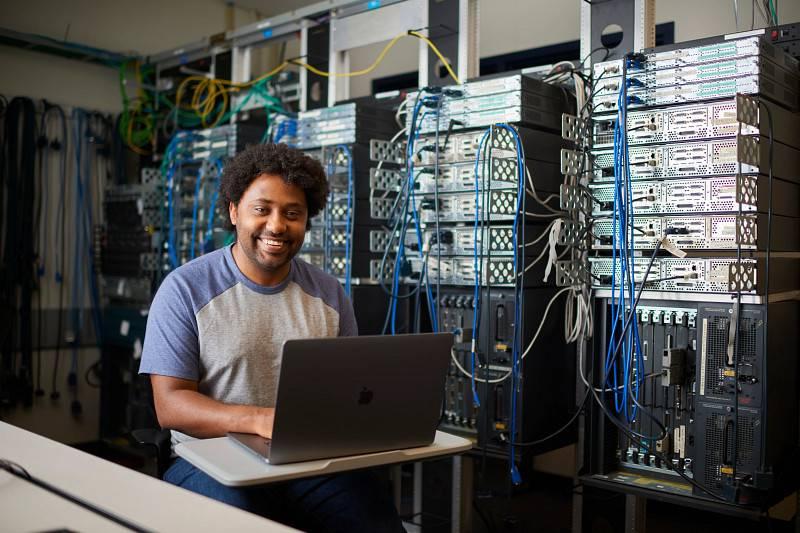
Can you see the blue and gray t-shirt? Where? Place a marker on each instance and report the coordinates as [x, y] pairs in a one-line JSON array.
[[211, 324]]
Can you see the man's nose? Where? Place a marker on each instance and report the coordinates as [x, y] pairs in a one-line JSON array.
[[276, 224]]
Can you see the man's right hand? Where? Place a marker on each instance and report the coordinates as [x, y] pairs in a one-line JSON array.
[[180, 406], [264, 422]]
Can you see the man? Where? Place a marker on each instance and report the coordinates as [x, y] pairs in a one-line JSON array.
[[216, 328]]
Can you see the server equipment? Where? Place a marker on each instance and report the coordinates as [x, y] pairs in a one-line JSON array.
[[691, 187], [191, 170], [338, 241], [470, 200]]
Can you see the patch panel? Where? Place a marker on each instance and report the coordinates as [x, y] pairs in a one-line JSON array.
[[709, 158]]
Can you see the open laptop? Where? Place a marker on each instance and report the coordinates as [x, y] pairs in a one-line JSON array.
[[354, 395]]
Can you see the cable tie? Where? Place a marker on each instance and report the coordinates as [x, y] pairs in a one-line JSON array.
[[669, 246]]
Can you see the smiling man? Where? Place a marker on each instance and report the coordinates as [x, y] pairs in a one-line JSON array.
[[216, 329]]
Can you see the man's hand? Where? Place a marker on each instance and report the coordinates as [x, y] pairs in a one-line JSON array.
[[180, 406], [264, 422]]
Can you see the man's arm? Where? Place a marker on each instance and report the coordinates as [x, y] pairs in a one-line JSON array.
[[181, 407]]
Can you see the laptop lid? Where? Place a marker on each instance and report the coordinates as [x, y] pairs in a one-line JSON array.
[[353, 395]]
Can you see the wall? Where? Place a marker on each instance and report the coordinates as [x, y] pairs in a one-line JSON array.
[[143, 27]]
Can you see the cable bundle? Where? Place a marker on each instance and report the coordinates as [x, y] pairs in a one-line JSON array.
[[18, 274], [623, 289]]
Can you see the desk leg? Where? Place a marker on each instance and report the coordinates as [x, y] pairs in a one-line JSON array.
[[397, 486], [455, 499], [461, 501], [635, 514], [577, 513], [416, 508]]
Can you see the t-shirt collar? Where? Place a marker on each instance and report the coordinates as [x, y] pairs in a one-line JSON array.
[[250, 284]]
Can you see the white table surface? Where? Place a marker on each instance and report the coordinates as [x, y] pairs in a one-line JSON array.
[[145, 501], [231, 465]]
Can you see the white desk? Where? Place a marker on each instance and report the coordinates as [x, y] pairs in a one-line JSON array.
[[145, 501], [226, 462], [231, 465]]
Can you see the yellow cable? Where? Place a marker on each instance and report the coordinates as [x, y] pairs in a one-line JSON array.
[[438, 54], [361, 72], [208, 91], [379, 59]]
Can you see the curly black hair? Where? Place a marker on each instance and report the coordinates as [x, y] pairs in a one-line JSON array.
[[295, 167]]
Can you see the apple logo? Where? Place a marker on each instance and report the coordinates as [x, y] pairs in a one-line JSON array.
[[365, 396]]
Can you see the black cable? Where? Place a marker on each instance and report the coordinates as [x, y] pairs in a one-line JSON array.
[[437, 305], [16, 470], [60, 274], [560, 430], [17, 271]]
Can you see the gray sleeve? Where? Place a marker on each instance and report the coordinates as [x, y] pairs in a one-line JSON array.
[[347, 318], [171, 345]]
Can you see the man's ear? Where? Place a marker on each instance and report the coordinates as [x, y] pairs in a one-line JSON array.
[[232, 212]]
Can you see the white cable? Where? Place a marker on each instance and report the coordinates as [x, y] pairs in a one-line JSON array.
[[466, 373], [544, 317], [532, 192], [539, 215], [540, 237], [552, 241], [401, 111]]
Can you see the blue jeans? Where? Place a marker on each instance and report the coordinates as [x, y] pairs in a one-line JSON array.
[[350, 501]]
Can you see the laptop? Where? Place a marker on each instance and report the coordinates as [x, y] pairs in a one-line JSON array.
[[344, 396]]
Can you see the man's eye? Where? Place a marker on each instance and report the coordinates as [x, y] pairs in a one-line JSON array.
[[260, 210]]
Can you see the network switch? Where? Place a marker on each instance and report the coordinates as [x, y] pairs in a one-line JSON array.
[[728, 118], [686, 55], [703, 195], [704, 232], [665, 77], [694, 92], [746, 154], [702, 276], [510, 99]]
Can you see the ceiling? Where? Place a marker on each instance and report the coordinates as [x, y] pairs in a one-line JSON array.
[[269, 8]]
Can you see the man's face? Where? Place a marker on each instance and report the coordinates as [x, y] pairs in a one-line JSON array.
[[270, 222]]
